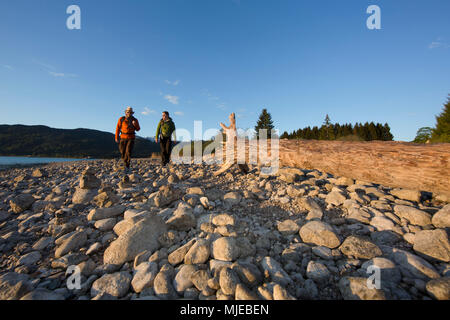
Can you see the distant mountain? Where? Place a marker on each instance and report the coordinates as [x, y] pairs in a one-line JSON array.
[[43, 141]]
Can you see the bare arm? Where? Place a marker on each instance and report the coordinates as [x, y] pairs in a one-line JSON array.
[[224, 126], [136, 124]]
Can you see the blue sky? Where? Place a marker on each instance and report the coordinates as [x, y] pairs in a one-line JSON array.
[[203, 59]]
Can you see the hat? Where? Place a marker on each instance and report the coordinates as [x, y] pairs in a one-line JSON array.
[[129, 109]]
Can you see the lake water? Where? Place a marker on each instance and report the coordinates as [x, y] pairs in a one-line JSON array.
[[11, 161]]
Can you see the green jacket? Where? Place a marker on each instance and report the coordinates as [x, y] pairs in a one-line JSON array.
[[165, 128]]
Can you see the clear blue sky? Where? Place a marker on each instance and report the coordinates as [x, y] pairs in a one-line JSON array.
[[202, 59]]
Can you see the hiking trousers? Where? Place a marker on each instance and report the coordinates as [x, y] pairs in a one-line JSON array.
[[125, 148], [166, 149]]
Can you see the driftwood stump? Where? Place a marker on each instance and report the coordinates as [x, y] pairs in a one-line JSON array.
[[231, 136]]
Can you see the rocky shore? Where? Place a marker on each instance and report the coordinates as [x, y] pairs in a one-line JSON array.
[[179, 232]]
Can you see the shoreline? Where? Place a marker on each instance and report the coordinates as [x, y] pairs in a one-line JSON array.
[[4, 167], [300, 220]]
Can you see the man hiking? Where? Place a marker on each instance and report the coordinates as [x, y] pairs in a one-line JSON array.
[[165, 129], [125, 135]]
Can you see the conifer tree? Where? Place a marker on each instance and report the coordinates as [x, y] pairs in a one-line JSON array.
[[327, 130], [327, 121], [441, 133], [379, 129], [372, 132], [387, 136], [315, 133], [264, 122]]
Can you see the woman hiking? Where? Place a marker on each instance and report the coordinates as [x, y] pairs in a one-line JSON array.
[[164, 132]]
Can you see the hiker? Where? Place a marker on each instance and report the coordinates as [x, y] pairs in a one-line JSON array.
[[125, 135], [231, 134], [164, 132]]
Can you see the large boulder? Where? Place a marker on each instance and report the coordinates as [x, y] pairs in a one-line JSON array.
[[406, 194], [359, 215], [29, 259], [335, 198], [439, 288], [143, 236], [413, 265], [360, 248], [200, 280], [182, 280], [83, 196], [249, 273], [105, 213], [166, 195], [68, 260], [344, 181], [288, 227], [382, 223], [14, 285], [356, 288], [232, 198], [75, 241], [88, 180], [106, 199], [195, 190], [290, 175], [225, 249], [243, 293], [319, 233], [163, 284], [126, 224], [315, 212], [144, 276], [317, 272], [182, 219], [228, 280], [413, 215], [105, 224], [433, 243], [177, 256], [115, 284], [223, 219], [441, 219], [198, 253], [21, 202], [276, 271], [389, 272]]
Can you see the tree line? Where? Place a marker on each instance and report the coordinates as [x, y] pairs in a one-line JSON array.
[[329, 131], [43, 141]]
